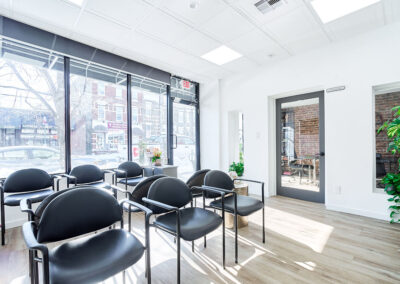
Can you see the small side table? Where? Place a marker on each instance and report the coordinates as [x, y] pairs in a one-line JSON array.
[[241, 189]]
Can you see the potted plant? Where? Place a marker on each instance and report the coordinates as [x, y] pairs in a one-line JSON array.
[[392, 180], [237, 167], [156, 158]]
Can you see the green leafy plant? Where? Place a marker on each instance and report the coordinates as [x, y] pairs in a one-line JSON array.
[[392, 180], [237, 167]]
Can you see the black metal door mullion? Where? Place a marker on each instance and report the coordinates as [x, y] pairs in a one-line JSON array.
[[67, 114], [129, 114], [170, 130]]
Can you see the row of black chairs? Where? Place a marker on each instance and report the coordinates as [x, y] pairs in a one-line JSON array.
[[164, 197]]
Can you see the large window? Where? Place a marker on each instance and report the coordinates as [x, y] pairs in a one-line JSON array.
[[33, 120], [98, 116], [385, 161], [31, 109], [149, 124]]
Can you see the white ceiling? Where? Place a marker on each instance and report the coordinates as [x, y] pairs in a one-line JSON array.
[[172, 36]]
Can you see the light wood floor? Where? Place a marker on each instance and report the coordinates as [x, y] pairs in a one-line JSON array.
[[305, 243]]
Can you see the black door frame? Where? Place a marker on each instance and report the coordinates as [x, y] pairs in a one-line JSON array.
[[292, 192]]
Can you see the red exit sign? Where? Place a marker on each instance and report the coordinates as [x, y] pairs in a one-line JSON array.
[[185, 84]]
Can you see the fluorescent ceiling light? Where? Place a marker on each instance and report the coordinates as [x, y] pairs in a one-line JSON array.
[[329, 10], [221, 55], [76, 2]]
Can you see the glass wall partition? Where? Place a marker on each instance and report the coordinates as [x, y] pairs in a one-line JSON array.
[[98, 112], [31, 109], [39, 128], [185, 107], [149, 120]]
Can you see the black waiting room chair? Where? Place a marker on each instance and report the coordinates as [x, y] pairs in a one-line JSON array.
[[93, 258], [32, 183], [197, 179], [233, 203], [129, 174], [168, 196], [141, 190], [88, 175]]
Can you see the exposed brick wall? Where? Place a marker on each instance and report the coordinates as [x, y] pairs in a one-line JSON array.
[[383, 112], [306, 132]]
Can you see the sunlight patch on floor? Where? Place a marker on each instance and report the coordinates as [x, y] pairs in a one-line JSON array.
[[305, 231]]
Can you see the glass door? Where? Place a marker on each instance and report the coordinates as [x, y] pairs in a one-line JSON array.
[[184, 139], [300, 147]]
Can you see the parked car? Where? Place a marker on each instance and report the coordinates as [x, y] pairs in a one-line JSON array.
[[18, 157]]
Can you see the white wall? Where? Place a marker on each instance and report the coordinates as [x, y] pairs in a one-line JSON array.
[[359, 63]]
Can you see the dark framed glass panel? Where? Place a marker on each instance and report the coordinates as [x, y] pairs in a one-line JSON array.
[[149, 120], [386, 162], [32, 131], [98, 115]]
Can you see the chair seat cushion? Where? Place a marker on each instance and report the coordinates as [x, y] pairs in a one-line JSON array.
[[245, 205], [131, 181], [34, 196], [94, 258], [195, 222]]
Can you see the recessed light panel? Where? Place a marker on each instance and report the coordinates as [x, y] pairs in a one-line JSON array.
[[76, 2], [221, 55], [329, 10]]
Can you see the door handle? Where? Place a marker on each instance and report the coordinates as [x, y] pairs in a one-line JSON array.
[[176, 141], [322, 154]]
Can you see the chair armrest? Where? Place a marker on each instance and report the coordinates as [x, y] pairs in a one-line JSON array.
[[26, 206], [68, 176], [209, 189], [116, 189], [30, 239], [255, 181], [218, 189], [57, 179], [160, 204], [146, 210], [119, 171], [249, 180]]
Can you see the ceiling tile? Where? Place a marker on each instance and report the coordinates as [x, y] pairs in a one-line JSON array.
[[227, 25], [262, 57], [293, 26], [129, 12], [197, 43], [102, 29], [392, 10], [279, 12], [308, 41], [357, 22], [204, 12], [240, 65], [253, 41], [49, 11], [164, 27]]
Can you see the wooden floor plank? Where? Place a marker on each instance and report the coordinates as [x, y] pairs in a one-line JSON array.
[[305, 243]]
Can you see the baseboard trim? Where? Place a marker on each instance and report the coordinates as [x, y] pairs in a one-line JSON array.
[[15, 223], [370, 214]]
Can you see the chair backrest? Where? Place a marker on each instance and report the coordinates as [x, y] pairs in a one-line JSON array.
[[76, 212], [142, 188], [131, 168], [218, 179], [171, 191], [197, 179], [42, 205], [87, 173], [27, 180]]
